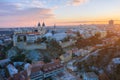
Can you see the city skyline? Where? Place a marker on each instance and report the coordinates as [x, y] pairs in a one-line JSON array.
[[22, 13]]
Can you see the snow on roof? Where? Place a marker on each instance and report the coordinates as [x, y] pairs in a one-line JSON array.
[[116, 60], [4, 61], [71, 62], [73, 68], [12, 70], [28, 67], [81, 31], [59, 36], [48, 34]]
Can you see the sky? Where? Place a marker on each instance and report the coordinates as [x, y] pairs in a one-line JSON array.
[[23, 13]]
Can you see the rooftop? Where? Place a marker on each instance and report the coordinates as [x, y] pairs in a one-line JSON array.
[[116, 60], [91, 75], [46, 67]]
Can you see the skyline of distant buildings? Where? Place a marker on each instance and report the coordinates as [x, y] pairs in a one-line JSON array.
[[99, 22]]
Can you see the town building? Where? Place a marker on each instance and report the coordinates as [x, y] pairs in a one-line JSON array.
[[111, 22], [70, 66], [29, 36], [90, 76], [66, 57], [41, 71]]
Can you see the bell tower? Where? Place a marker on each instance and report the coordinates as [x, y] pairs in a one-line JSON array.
[[41, 28]]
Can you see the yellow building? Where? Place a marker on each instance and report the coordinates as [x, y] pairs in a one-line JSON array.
[[66, 57]]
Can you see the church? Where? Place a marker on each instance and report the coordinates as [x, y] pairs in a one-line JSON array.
[[29, 36]]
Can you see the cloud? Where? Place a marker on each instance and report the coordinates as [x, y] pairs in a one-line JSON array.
[[23, 4], [76, 2], [13, 14], [10, 9]]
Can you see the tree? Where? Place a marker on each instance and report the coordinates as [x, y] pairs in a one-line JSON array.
[[66, 39], [40, 40], [78, 34], [53, 32], [54, 48], [117, 72], [2, 55], [46, 59], [18, 39], [33, 55], [81, 43], [24, 38], [13, 52], [18, 57]]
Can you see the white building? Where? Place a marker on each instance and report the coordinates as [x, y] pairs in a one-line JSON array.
[[90, 76], [12, 70], [59, 36], [28, 36], [71, 66], [31, 38], [116, 60], [91, 30]]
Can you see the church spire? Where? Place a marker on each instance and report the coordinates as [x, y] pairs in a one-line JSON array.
[[39, 24], [43, 25]]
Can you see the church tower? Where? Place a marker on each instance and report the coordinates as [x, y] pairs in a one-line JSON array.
[[41, 28], [43, 25], [54, 28], [39, 24]]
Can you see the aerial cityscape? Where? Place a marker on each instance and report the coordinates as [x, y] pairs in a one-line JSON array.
[[59, 40]]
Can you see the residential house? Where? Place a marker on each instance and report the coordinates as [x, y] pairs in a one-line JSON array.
[[12, 70], [52, 69], [70, 66], [20, 76], [36, 72], [66, 57], [90, 76], [41, 71]]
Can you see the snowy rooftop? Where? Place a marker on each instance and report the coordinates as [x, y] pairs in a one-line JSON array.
[[116, 60], [59, 36], [48, 34], [12, 70]]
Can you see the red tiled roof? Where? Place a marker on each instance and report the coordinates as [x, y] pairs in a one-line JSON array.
[[19, 76], [51, 66], [103, 77], [46, 67], [36, 67], [33, 33]]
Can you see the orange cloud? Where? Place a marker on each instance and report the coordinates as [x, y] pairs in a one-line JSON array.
[[77, 2], [10, 15]]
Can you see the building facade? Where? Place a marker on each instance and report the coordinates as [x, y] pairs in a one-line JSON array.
[[29, 36], [40, 72]]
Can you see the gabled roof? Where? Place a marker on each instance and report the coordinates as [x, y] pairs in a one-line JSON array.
[[51, 66], [46, 67], [36, 67]]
